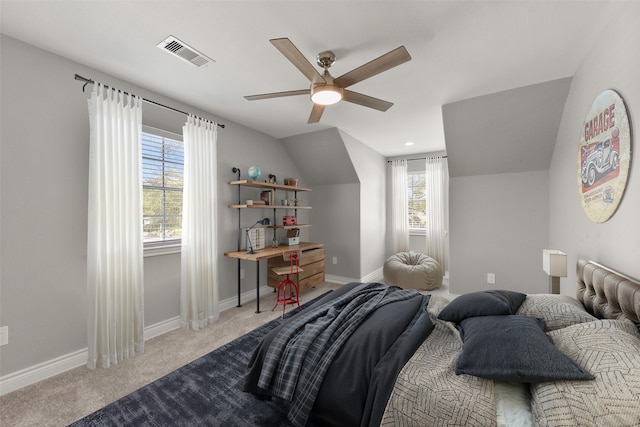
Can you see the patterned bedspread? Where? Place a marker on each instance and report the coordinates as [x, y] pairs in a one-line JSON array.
[[427, 392]]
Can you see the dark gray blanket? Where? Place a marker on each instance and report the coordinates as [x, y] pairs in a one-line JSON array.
[[341, 356]]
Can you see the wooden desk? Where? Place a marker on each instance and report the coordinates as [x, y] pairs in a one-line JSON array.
[[267, 253]]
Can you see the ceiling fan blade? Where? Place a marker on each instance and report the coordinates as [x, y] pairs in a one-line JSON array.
[[291, 52], [366, 101], [383, 63], [277, 94], [316, 113]]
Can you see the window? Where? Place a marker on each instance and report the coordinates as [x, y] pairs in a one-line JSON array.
[[162, 179], [417, 200]]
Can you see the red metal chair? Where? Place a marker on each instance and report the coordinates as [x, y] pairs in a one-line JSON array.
[[288, 288]]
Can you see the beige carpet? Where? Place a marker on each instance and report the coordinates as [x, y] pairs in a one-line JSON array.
[[65, 398]]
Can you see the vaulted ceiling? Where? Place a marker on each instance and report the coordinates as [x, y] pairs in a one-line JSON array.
[[460, 50]]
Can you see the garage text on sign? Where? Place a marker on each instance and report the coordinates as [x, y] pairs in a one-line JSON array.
[[599, 123]]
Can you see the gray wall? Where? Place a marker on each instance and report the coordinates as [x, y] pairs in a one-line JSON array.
[[499, 224], [44, 173], [336, 223], [335, 214], [506, 132], [371, 168], [348, 180], [613, 64]]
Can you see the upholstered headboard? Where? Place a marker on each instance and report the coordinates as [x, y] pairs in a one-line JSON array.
[[606, 293]]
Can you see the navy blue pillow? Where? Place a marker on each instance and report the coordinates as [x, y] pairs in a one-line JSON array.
[[513, 348], [485, 303]]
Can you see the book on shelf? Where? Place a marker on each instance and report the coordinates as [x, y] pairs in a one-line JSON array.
[[268, 197]]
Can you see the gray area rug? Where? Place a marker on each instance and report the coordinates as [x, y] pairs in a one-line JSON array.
[[206, 392]]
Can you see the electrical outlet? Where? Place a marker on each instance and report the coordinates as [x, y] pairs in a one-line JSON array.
[[491, 278], [4, 335], [335, 259], [241, 273]]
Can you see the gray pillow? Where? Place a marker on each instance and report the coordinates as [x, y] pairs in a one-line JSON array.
[[513, 348], [484, 303]]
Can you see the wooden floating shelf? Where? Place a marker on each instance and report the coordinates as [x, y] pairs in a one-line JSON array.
[[267, 207], [259, 184], [289, 227]]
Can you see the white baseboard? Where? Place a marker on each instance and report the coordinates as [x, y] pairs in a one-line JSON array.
[[375, 276], [50, 368], [339, 279], [245, 297], [41, 371]]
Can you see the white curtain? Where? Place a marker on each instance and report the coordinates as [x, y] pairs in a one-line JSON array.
[[114, 240], [399, 206], [199, 282], [436, 220]]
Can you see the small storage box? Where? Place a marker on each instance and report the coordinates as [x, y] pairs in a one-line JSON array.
[[292, 241]]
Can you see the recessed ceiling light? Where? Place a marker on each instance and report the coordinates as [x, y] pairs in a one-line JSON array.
[[408, 143]]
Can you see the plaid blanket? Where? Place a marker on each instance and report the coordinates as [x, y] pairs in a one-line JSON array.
[[299, 356]]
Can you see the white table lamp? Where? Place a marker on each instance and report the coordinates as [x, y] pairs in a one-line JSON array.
[[554, 263]]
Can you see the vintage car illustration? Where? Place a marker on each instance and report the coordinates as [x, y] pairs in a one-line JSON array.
[[598, 159]]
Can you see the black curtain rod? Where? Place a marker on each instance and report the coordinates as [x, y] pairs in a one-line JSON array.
[[419, 158], [87, 81]]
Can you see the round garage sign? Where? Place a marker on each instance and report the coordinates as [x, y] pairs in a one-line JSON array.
[[604, 156]]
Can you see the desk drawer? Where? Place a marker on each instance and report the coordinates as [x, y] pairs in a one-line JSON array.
[[311, 261]]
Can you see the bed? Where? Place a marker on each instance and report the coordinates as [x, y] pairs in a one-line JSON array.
[[391, 357]]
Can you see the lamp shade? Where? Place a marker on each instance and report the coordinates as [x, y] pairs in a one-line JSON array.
[[554, 262]]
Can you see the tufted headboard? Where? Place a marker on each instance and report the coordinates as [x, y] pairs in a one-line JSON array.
[[606, 293]]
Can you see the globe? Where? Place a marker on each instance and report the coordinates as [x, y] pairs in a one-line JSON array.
[[254, 172]]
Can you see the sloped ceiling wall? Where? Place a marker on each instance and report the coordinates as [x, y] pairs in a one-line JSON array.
[[506, 132], [321, 157]]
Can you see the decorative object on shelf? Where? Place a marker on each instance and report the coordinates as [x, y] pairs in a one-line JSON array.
[[272, 178], [289, 220], [554, 263], [293, 237], [264, 221], [284, 202], [604, 156], [267, 197], [254, 172], [255, 239], [291, 181], [295, 201]]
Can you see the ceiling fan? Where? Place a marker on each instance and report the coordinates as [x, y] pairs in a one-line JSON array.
[[326, 90]]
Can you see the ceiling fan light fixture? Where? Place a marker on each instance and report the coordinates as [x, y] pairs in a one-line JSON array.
[[326, 94]]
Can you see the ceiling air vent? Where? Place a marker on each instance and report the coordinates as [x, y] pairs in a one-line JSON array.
[[184, 52]]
